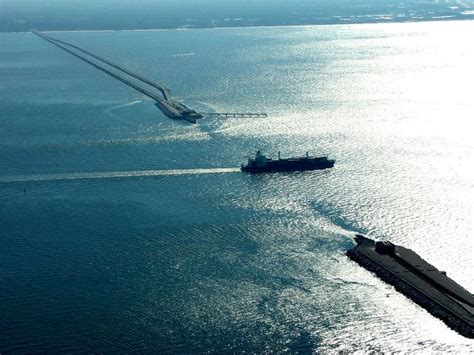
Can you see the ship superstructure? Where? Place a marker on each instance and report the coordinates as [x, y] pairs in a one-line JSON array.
[[261, 163]]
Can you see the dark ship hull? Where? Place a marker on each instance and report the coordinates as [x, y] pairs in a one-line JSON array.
[[419, 281], [292, 164]]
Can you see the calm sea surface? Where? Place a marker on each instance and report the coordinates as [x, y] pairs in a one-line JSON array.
[[99, 253]]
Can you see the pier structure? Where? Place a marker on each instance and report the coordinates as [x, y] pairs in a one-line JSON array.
[[418, 280], [236, 114], [170, 107]]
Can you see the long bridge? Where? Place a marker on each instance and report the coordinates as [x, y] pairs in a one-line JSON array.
[[170, 107], [236, 114]]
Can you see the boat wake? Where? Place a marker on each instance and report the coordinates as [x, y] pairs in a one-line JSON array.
[[115, 174], [183, 55], [110, 110]]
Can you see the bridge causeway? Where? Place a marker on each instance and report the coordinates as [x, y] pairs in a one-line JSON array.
[[236, 114], [170, 107]]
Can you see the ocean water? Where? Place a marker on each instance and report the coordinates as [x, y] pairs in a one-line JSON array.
[[122, 230]]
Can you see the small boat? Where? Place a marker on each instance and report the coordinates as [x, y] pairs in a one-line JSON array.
[[262, 164]]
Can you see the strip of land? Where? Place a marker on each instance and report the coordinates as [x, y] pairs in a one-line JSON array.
[[20, 16]]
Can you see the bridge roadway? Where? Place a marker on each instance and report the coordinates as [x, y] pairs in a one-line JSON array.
[[171, 108], [164, 90], [236, 114]]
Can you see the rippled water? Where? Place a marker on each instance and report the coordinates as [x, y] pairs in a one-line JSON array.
[[123, 230]]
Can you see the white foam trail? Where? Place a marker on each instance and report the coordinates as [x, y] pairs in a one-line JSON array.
[[183, 55], [115, 174], [109, 110]]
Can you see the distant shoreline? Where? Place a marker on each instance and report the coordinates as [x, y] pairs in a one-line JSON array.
[[186, 28]]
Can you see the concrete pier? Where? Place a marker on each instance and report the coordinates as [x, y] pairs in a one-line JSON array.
[[418, 280]]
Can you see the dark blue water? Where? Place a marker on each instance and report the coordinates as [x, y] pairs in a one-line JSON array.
[[98, 253]]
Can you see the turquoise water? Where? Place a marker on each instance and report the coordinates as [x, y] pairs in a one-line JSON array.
[[123, 230]]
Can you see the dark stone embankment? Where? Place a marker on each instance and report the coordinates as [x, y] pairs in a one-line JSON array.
[[419, 281]]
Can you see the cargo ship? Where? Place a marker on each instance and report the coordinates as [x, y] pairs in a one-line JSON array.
[[418, 280], [261, 163]]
